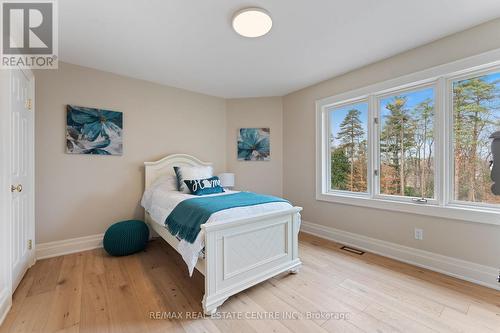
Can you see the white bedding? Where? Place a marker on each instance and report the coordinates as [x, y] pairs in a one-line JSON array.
[[159, 200]]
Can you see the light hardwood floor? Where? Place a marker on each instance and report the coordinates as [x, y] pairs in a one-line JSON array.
[[92, 292]]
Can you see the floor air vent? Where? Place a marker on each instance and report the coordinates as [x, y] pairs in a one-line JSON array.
[[352, 250]]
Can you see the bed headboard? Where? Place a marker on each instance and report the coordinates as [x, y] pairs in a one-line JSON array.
[[165, 166]]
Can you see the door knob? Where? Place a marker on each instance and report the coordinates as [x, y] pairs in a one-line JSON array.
[[17, 188]]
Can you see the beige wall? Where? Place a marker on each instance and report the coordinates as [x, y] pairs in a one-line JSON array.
[[479, 243], [257, 176], [80, 195]]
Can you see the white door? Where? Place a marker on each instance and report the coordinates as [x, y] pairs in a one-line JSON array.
[[22, 172], [5, 195]]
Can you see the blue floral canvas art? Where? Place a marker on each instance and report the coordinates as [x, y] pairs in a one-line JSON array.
[[93, 131], [253, 144]]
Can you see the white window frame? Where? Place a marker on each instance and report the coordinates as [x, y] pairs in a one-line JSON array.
[[441, 78]]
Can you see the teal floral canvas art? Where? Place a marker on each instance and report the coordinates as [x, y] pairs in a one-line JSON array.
[[253, 144], [93, 131]]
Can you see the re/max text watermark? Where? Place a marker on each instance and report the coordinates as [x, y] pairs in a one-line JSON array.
[[252, 315]]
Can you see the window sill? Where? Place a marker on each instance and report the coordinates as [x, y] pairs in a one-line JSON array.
[[454, 212]]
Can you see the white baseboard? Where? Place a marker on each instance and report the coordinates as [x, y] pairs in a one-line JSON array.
[[465, 270], [5, 304], [67, 246]]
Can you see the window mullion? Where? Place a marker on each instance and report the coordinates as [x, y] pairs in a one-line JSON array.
[[372, 153], [326, 153], [442, 155]]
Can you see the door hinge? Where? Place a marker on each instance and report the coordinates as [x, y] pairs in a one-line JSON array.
[[30, 244], [29, 103]]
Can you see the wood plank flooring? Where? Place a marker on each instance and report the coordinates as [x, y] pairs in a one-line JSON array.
[[335, 291]]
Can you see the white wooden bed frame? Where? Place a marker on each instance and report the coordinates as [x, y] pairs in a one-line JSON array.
[[239, 253]]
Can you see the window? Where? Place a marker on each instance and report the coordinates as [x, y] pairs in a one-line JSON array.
[[406, 144], [348, 147], [476, 115], [419, 144]]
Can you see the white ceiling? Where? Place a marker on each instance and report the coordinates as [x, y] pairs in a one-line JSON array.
[[190, 43]]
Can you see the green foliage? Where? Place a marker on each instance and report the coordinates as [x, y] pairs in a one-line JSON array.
[[411, 191], [340, 169]]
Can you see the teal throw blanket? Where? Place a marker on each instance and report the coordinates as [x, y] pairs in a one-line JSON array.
[[187, 217]]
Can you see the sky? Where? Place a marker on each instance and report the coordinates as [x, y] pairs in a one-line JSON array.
[[413, 98], [492, 78]]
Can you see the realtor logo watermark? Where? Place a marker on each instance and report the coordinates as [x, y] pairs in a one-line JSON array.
[[29, 34]]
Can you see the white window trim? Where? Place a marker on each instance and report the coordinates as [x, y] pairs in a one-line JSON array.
[[441, 78]]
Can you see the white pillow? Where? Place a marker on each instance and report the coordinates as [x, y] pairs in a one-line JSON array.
[[166, 183], [191, 173]]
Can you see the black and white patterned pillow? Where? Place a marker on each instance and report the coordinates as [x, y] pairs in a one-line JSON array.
[[191, 173]]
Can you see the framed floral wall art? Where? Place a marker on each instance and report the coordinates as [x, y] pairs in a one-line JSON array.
[[93, 131], [253, 144]]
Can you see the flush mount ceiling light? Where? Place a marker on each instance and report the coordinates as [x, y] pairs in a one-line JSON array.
[[252, 22]]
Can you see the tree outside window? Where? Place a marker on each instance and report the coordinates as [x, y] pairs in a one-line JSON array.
[[476, 115], [348, 145], [407, 144]]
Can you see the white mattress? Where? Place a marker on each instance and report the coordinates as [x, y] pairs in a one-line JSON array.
[[159, 201]]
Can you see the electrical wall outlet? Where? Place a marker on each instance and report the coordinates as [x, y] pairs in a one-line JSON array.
[[419, 234]]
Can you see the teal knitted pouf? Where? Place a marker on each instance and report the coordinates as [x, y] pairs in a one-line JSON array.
[[127, 237]]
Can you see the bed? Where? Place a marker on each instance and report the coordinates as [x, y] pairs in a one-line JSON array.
[[241, 247]]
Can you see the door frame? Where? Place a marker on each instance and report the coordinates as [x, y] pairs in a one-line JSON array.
[[5, 183], [31, 76]]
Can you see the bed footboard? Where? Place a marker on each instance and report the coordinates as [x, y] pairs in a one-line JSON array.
[[243, 252]]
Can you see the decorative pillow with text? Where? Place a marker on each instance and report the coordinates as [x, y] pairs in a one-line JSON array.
[[191, 173], [204, 186]]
